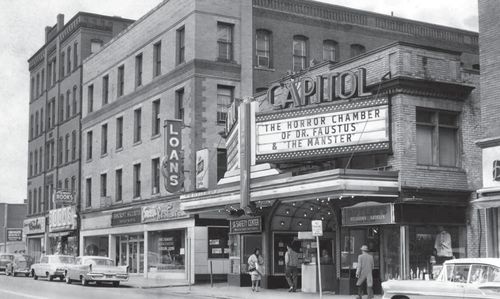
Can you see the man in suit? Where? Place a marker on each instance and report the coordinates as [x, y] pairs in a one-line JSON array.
[[364, 272]]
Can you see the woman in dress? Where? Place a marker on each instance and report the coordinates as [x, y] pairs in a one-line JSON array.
[[255, 266]]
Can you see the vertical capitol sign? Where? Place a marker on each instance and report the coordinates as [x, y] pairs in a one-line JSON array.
[[171, 166]]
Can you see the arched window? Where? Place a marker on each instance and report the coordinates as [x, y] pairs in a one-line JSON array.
[[299, 52], [357, 49], [263, 48], [330, 50]]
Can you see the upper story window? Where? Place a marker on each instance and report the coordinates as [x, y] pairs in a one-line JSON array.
[[104, 139], [330, 50], [119, 132], [299, 53], [138, 70], [75, 103], [225, 97], [179, 104], [180, 45], [121, 80], [75, 55], [155, 121], [32, 85], [95, 45], [437, 138], [42, 81], [496, 170], [157, 59], [357, 49], [68, 104], [37, 91], [88, 192], [89, 145], [68, 57], [137, 124], [90, 98], [105, 90], [61, 108], [54, 71], [62, 61], [225, 41], [263, 48]]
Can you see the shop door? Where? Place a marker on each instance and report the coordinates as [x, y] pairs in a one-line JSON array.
[[136, 256], [250, 242]]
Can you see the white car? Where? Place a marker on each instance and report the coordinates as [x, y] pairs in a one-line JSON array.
[[51, 266], [477, 278], [96, 269]]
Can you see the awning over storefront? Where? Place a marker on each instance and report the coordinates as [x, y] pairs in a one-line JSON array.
[[486, 202], [333, 183]]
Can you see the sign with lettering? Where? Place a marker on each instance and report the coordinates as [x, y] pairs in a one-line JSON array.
[[130, 216], [34, 226], [62, 197], [14, 234], [162, 211], [202, 169], [171, 165], [336, 129], [373, 214], [62, 219], [245, 225], [317, 228]]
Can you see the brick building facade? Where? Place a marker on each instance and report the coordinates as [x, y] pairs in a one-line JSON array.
[[11, 227]]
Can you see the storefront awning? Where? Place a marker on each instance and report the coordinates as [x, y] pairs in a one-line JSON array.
[[487, 202]]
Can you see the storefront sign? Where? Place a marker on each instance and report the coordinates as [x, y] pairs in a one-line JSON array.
[[323, 88], [14, 234], [130, 216], [62, 219], [317, 228], [202, 169], [34, 226], [172, 168], [162, 211], [368, 214], [246, 225], [62, 197], [337, 129]]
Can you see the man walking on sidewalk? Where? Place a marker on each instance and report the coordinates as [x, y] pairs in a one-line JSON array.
[[364, 273], [291, 268]]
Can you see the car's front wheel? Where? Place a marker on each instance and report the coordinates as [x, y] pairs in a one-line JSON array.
[[85, 282], [35, 277], [51, 278], [67, 279]]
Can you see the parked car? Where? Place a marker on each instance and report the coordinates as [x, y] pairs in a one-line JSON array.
[[20, 265], [5, 258], [96, 269], [51, 266], [459, 278]]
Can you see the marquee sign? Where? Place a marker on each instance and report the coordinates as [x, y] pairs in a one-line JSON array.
[[62, 219], [34, 226], [171, 165], [162, 211], [335, 129]]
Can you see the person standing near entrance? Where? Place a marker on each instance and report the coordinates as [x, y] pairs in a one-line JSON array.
[[291, 268], [255, 264], [364, 273]]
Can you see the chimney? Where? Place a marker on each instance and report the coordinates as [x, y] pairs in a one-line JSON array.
[[60, 21], [47, 30]]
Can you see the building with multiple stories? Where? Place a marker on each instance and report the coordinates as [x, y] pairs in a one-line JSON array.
[[11, 227], [54, 127]]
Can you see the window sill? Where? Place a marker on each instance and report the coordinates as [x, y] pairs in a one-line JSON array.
[[119, 149], [104, 155], [88, 160], [136, 143], [263, 68], [223, 60], [155, 136], [440, 168], [136, 198]]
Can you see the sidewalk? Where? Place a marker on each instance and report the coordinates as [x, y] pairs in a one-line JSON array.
[[151, 283]]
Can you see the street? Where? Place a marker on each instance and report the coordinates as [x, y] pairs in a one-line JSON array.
[[27, 288]]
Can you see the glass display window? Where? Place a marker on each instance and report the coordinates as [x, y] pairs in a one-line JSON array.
[[166, 251], [234, 253], [351, 241], [96, 245], [280, 242], [218, 246]]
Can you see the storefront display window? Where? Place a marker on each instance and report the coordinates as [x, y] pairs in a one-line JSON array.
[[35, 248], [65, 245], [280, 241], [218, 242], [352, 239], [166, 251], [96, 245], [234, 253], [391, 248]]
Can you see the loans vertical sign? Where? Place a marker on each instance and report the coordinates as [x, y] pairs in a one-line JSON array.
[[172, 168]]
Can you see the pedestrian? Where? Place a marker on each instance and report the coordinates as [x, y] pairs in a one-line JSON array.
[[291, 268], [255, 267], [364, 273]]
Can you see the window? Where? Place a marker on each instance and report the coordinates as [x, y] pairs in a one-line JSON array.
[[104, 181], [69, 60], [68, 105], [37, 90], [41, 158], [221, 163], [88, 192], [155, 176], [54, 71], [89, 145], [75, 104], [62, 61], [66, 184], [118, 184], [119, 132], [31, 164], [330, 50], [263, 48], [121, 78], [104, 139], [60, 151], [437, 138], [34, 195], [180, 45], [179, 104], [73, 184], [42, 82], [41, 120], [95, 45], [357, 49], [35, 156], [225, 97], [156, 118], [52, 153], [157, 59], [32, 124], [138, 70], [484, 273], [66, 156], [90, 98], [73, 145], [36, 123], [53, 106], [32, 84], [49, 73], [225, 41], [75, 56], [137, 180], [105, 90], [61, 109], [40, 199], [30, 203], [299, 53], [496, 170], [137, 125]]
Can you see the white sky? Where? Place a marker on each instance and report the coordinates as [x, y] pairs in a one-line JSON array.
[[22, 24]]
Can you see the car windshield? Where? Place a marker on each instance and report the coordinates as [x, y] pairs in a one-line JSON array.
[[7, 257], [101, 262], [63, 259]]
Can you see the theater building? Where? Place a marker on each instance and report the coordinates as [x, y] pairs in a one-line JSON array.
[[379, 147]]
